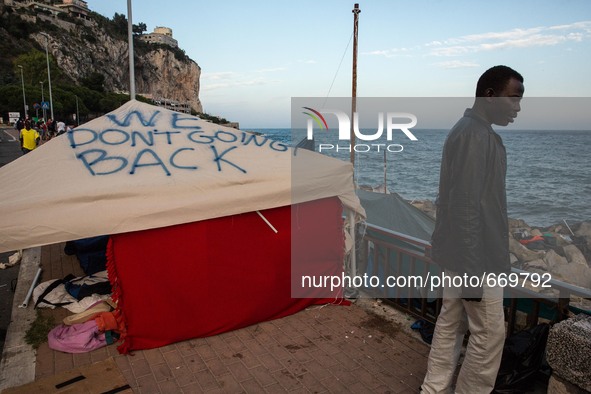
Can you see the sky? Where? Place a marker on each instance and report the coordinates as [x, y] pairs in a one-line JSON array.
[[256, 55]]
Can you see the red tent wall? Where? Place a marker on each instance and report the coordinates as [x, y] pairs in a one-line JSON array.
[[208, 277]]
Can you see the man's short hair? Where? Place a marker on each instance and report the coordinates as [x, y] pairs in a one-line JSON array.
[[496, 78]]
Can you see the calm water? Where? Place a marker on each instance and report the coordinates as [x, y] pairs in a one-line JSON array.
[[548, 176]]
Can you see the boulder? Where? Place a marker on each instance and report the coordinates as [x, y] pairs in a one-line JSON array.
[[576, 274], [557, 385], [584, 230], [582, 239], [514, 260], [553, 260], [557, 228], [522, 253], [562, 240], [568, 349], [574, 255], [536, 232], [537, 265], [580, 302], [566, 256], [517, 224]]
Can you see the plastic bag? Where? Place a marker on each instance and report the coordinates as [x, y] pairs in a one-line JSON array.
[[523, 356], [425, 328]]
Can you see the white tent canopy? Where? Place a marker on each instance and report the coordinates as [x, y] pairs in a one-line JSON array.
[[141, 167]]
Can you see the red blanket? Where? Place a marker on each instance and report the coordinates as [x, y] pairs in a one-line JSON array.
[[208, 277]]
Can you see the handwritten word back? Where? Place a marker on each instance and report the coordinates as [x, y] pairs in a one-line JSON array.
[[176, 147]]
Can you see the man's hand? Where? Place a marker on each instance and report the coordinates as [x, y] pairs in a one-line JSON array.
[[470, 293]]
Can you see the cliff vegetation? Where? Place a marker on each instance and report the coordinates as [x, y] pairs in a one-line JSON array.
[[89, 66]]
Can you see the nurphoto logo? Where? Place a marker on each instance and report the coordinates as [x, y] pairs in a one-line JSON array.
[[402, 121]]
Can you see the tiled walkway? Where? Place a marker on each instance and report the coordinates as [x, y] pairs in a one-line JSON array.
[[330, 349]]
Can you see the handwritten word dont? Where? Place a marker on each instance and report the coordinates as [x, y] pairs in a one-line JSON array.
[[153, 149], [81, 136]]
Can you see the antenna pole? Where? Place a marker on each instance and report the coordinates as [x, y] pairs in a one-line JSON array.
[[356, 12], [385, 174], [130, 45]]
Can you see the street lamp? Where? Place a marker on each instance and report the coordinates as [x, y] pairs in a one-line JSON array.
[[77, 113], [130, 45], [48, 73], [43, 101], [24, 99]]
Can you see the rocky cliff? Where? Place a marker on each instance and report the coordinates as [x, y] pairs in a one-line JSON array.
[[82, 47]]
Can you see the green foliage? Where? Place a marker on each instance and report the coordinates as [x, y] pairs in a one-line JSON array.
[[212, 118], [11, 99], [68, 18], [116, 27], [112, 101], [142, 47], [140, 28], [101, 21], [36, 335], [68, 100], [119, 25], [16, 26], [89, 37], [143, 99], [34, 65], [95, 81], [179, 54], [13, 42]]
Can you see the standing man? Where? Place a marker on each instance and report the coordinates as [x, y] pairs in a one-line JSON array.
[[28, 137], [471, 238], [19, 124], [60, 127], [50, 128]]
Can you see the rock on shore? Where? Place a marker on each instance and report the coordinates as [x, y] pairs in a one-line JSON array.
[[555, 249], [563, 250]]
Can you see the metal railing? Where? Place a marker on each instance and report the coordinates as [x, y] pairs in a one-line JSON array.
[[385, 253]]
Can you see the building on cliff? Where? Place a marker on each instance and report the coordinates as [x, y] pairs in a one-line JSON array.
[[75, 8], [161, 35], [174, 105]]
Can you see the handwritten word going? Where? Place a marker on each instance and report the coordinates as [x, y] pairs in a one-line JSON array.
[[94, 145]]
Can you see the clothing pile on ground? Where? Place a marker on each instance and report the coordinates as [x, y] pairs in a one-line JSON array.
[[95, 322], [94, 328]]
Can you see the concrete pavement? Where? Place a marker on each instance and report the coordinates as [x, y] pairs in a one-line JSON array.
[[9, 151], [359, 348]]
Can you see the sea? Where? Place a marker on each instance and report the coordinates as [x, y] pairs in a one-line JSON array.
[[548, 172]]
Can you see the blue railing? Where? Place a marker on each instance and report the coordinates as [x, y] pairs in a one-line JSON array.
[[384, 253]]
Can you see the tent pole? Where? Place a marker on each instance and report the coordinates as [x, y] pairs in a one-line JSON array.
[[356, 12], [268, 222], [30, 292], [353, 249]]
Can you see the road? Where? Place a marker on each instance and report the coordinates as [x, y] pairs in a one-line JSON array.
[[9, 145], [9, 151]]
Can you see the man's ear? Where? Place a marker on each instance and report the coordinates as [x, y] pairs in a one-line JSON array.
[[489, 93]]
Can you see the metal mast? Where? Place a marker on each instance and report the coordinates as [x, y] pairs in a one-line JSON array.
[[26, 114], [130, 45], [48, 73], [356, 11]]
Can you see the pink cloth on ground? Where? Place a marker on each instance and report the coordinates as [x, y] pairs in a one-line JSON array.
[[77, 338]]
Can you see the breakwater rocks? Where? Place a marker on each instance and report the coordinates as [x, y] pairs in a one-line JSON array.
[[563, 250]]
